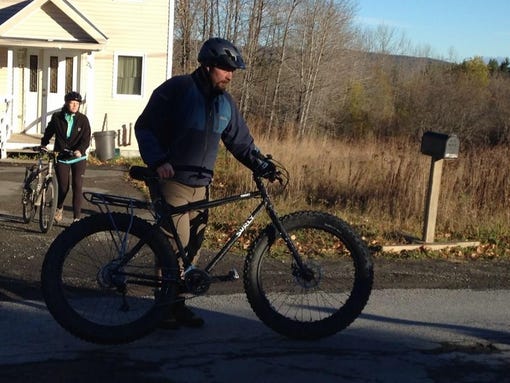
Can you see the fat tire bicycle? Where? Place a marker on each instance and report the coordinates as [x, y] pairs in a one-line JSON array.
[[40, 189], [111, 277]]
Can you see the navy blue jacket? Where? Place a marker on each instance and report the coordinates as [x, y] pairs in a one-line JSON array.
[[183, 123]]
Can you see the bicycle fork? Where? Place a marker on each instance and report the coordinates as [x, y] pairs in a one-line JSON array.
[[37, 192], [300, 270]]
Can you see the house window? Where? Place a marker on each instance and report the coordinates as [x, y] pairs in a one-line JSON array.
[[33, 72], [53, 74], [128, 75], [69, 74]]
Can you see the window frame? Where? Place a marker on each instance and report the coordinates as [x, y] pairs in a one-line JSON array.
[[115, 74]]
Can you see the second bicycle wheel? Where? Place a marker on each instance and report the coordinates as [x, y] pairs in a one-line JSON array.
[[28, 195], [324, 294], [102, 281], [49, 197]]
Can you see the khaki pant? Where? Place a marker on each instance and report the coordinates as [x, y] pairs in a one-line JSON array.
[[190, 225]]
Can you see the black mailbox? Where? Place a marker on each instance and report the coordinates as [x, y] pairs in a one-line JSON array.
[[439, 145]]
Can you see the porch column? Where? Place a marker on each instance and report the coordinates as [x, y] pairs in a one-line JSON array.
[[89, 64], [170, 42], [6, 106]]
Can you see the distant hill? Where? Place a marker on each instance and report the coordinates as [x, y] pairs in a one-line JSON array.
[[407, 63]]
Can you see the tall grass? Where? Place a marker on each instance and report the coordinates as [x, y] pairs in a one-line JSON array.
[[380, 187]]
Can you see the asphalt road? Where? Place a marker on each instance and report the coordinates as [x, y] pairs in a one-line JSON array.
[[402, 336], [416, 335]]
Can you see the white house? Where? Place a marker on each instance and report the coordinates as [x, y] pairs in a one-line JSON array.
[[114, 52]]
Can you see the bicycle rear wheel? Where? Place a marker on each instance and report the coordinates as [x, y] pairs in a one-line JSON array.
[[325, 295], [96, 292], [49, 197], [28, 196]]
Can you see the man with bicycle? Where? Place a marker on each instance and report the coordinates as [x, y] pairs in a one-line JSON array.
[[178, 135]]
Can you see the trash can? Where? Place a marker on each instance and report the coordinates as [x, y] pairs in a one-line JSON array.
[[105, 144]]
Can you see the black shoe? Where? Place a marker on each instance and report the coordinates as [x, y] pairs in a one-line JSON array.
[[184, 316]]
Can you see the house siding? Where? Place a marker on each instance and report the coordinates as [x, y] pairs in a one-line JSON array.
[[50, 24], [132, 28]]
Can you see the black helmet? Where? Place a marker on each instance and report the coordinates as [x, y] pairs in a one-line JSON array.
[[220, 53], [72, 96]]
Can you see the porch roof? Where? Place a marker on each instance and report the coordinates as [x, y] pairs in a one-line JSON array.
[[47, 24]]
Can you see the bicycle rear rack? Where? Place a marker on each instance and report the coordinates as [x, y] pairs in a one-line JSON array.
[[100, 199]]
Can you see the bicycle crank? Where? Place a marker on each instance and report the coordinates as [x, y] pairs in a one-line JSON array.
[[197, 281]]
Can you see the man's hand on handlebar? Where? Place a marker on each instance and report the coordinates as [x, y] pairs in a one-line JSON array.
[[267, 169], [165, 170]]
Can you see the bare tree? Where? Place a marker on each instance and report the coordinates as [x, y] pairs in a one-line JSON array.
[[284, 52], [254, 29], [230, 17], [185, 19], [319, 20], [280, 64]]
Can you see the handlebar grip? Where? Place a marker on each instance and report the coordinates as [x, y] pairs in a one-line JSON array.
[[257, 154], [141, 173]]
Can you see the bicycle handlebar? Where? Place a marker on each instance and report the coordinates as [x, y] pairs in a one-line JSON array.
[[39, 149], [142, 173]]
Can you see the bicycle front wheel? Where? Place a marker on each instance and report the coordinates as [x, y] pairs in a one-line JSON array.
[[49, 197], [28, 196], [109, 278], [318, 295]]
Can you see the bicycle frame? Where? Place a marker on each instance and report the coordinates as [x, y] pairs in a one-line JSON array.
[[46, 170], [163, 214], [42, 169]]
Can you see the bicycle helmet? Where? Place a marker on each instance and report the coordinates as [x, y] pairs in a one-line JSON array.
[[220, 53], [73, 96]]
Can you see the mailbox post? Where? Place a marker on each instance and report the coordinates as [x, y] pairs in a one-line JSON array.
[[440, 147]]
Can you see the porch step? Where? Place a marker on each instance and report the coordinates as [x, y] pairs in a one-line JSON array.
[[18, 142]]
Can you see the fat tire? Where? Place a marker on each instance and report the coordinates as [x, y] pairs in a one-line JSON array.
[[70, 278], [302, 309], [49, 198]]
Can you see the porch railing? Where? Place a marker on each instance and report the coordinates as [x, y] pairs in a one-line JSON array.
[[5, 123]]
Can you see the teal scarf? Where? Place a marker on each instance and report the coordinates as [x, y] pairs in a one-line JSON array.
[[70, 122]]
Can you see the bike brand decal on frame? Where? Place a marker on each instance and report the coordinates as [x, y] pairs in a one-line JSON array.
[[245, 225]]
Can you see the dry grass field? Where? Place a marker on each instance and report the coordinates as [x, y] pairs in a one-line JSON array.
[[380, 187]]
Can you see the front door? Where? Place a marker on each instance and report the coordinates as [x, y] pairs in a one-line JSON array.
[[47, 86]]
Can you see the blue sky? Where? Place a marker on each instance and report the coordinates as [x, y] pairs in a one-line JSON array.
[[465, 28]]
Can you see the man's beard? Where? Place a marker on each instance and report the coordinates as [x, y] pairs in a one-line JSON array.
[[221, 86]]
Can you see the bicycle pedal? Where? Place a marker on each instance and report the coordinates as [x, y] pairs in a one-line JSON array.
[[233, 274]]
